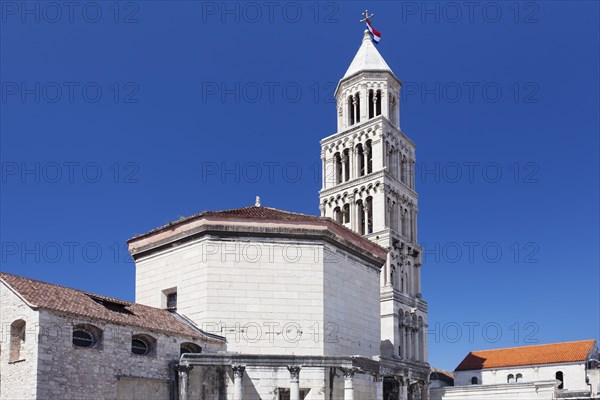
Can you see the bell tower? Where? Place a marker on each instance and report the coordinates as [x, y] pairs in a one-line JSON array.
[[369, 187]]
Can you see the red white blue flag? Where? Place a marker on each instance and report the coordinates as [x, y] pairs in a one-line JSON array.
[[375, 35]]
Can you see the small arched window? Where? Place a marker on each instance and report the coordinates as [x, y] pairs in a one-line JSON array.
[[143, 345], [83, 338], [86, 335], [337, 215], [17, 338], [474, 381], [346, 213], [519, 378], [510, 378], [559, 377], [187, 348]]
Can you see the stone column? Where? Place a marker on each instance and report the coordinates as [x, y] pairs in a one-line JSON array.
[[349, 384], [366, 209], [403, 390], [294, 382], [323, 171], [238, 382], [425, 391], [388, 263], [364, 103], [183, 372], [378, 387]]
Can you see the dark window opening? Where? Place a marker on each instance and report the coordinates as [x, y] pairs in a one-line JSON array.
[[187, 348], [560, 378], [82, 338], [112, 305], [140, 347], [172, 301], [474, 381], [284, 393]]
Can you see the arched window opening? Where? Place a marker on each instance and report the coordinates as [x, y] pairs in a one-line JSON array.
[[510, 378], [403, 167], [391, 165], [474, 381], [559, 377], [337, 215], [86, 335], [405, 223], [350, 110], [189, 348], [346, 164], [394, 216], [83, 338], [357, 102], [393, 275], [369, 156], [369, 212], [361, 217], [17, 338], [519, 378], [360, 160], [346, 214], [143, 345], [371, 104], [338, 167], [378, 103]]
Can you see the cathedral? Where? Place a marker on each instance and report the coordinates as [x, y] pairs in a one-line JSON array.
[[254, 303]]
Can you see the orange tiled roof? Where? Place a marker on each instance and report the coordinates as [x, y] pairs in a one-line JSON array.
[[528, 355], [63, 299]]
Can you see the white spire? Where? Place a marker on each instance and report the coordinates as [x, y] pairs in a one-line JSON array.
[[367, 59]]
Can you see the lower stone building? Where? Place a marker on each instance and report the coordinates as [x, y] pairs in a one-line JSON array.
[[569, 370], [62, 343]]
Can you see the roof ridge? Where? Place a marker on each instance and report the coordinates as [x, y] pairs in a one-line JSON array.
[[535, 345]]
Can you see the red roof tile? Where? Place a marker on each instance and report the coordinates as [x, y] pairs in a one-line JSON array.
[[63, 299], [272, 215], [251, 213], [528, 355]]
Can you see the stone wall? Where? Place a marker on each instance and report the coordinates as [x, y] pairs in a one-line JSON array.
[[109, 368], [573, 375], [351, 306], [18, 379]]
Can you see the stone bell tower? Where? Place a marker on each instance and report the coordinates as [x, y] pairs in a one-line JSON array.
[[369, 187]]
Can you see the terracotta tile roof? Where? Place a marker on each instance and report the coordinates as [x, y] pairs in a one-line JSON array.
[[71, 301], [528, 355], [268, 215], [441, 374], [250, 213]]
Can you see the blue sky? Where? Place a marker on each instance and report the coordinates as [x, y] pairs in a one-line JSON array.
[[119, 117]]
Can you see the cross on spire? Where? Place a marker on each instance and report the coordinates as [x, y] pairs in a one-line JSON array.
[[367, 16]]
